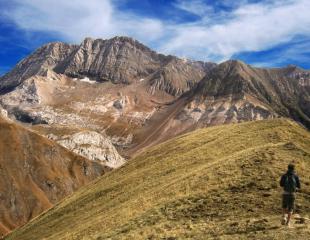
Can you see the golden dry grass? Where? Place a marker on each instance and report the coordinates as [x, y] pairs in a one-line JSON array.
[[214, 183]]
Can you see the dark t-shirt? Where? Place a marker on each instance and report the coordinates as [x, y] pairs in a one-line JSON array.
[[284, 176]]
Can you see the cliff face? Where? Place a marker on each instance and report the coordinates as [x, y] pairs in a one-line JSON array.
[[36, 173], [119, 60]]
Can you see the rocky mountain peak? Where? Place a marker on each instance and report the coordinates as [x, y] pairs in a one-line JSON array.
[[233, 67], [46, 57], [119, 60], [229, 77]]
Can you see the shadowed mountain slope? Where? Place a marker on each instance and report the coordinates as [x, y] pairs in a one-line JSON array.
[[35, 174], [214, 183]]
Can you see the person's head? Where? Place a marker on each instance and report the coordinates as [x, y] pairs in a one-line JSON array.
[[291, 167]]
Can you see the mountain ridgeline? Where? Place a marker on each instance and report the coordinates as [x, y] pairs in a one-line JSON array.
[[264, 93], [119, 60]]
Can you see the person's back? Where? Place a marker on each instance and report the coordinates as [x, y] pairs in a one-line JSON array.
[[290, 184]]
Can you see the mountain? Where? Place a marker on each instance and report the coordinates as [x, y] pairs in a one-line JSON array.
[[46, 57], [214, 183], [232, 92], [260, 92], [36, 173], [109, 86], [119, 60], [135, 97]]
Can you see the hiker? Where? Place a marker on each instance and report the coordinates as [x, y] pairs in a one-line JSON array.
[[290, 184]]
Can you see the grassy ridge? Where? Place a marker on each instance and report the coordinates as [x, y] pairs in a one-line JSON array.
[[219, 182]]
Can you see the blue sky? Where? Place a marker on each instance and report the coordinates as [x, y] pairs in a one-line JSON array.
[[260, 32]]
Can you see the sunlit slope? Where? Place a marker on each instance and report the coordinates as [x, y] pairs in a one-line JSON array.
[[219, 182]]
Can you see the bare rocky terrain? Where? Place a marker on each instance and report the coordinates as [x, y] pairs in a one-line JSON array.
[[91, 145]]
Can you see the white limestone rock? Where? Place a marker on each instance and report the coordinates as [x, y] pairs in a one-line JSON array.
[[93, 146]]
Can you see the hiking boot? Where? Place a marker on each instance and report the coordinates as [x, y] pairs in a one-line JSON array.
[[289, 225], [283, 221]]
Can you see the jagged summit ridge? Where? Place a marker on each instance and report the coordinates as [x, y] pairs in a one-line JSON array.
[[246, 92], [119, 60], [45, 58]]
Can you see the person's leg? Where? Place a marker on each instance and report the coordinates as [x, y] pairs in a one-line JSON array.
[[284, 209], [289, 215], [291, 201], [284, 212], [283, 221]]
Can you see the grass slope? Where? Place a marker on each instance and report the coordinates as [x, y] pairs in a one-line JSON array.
[[215, 183]]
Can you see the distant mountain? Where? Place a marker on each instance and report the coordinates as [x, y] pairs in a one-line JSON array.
[[258, 93], [235, 91], [136, 97], [119, 60], [214, 183], [35, 174]]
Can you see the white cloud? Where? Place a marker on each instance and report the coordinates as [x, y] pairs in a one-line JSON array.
[[72, 19], [197, 7], [252, 27], [215, 36], [78, 19]]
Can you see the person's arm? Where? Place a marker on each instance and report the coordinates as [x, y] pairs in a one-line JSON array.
[[297, 182], [282, 181]]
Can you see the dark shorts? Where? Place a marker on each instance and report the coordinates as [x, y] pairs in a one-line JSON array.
[[288, 201]]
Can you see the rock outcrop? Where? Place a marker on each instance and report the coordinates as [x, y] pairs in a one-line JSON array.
[[3, 112], [93, 146]]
